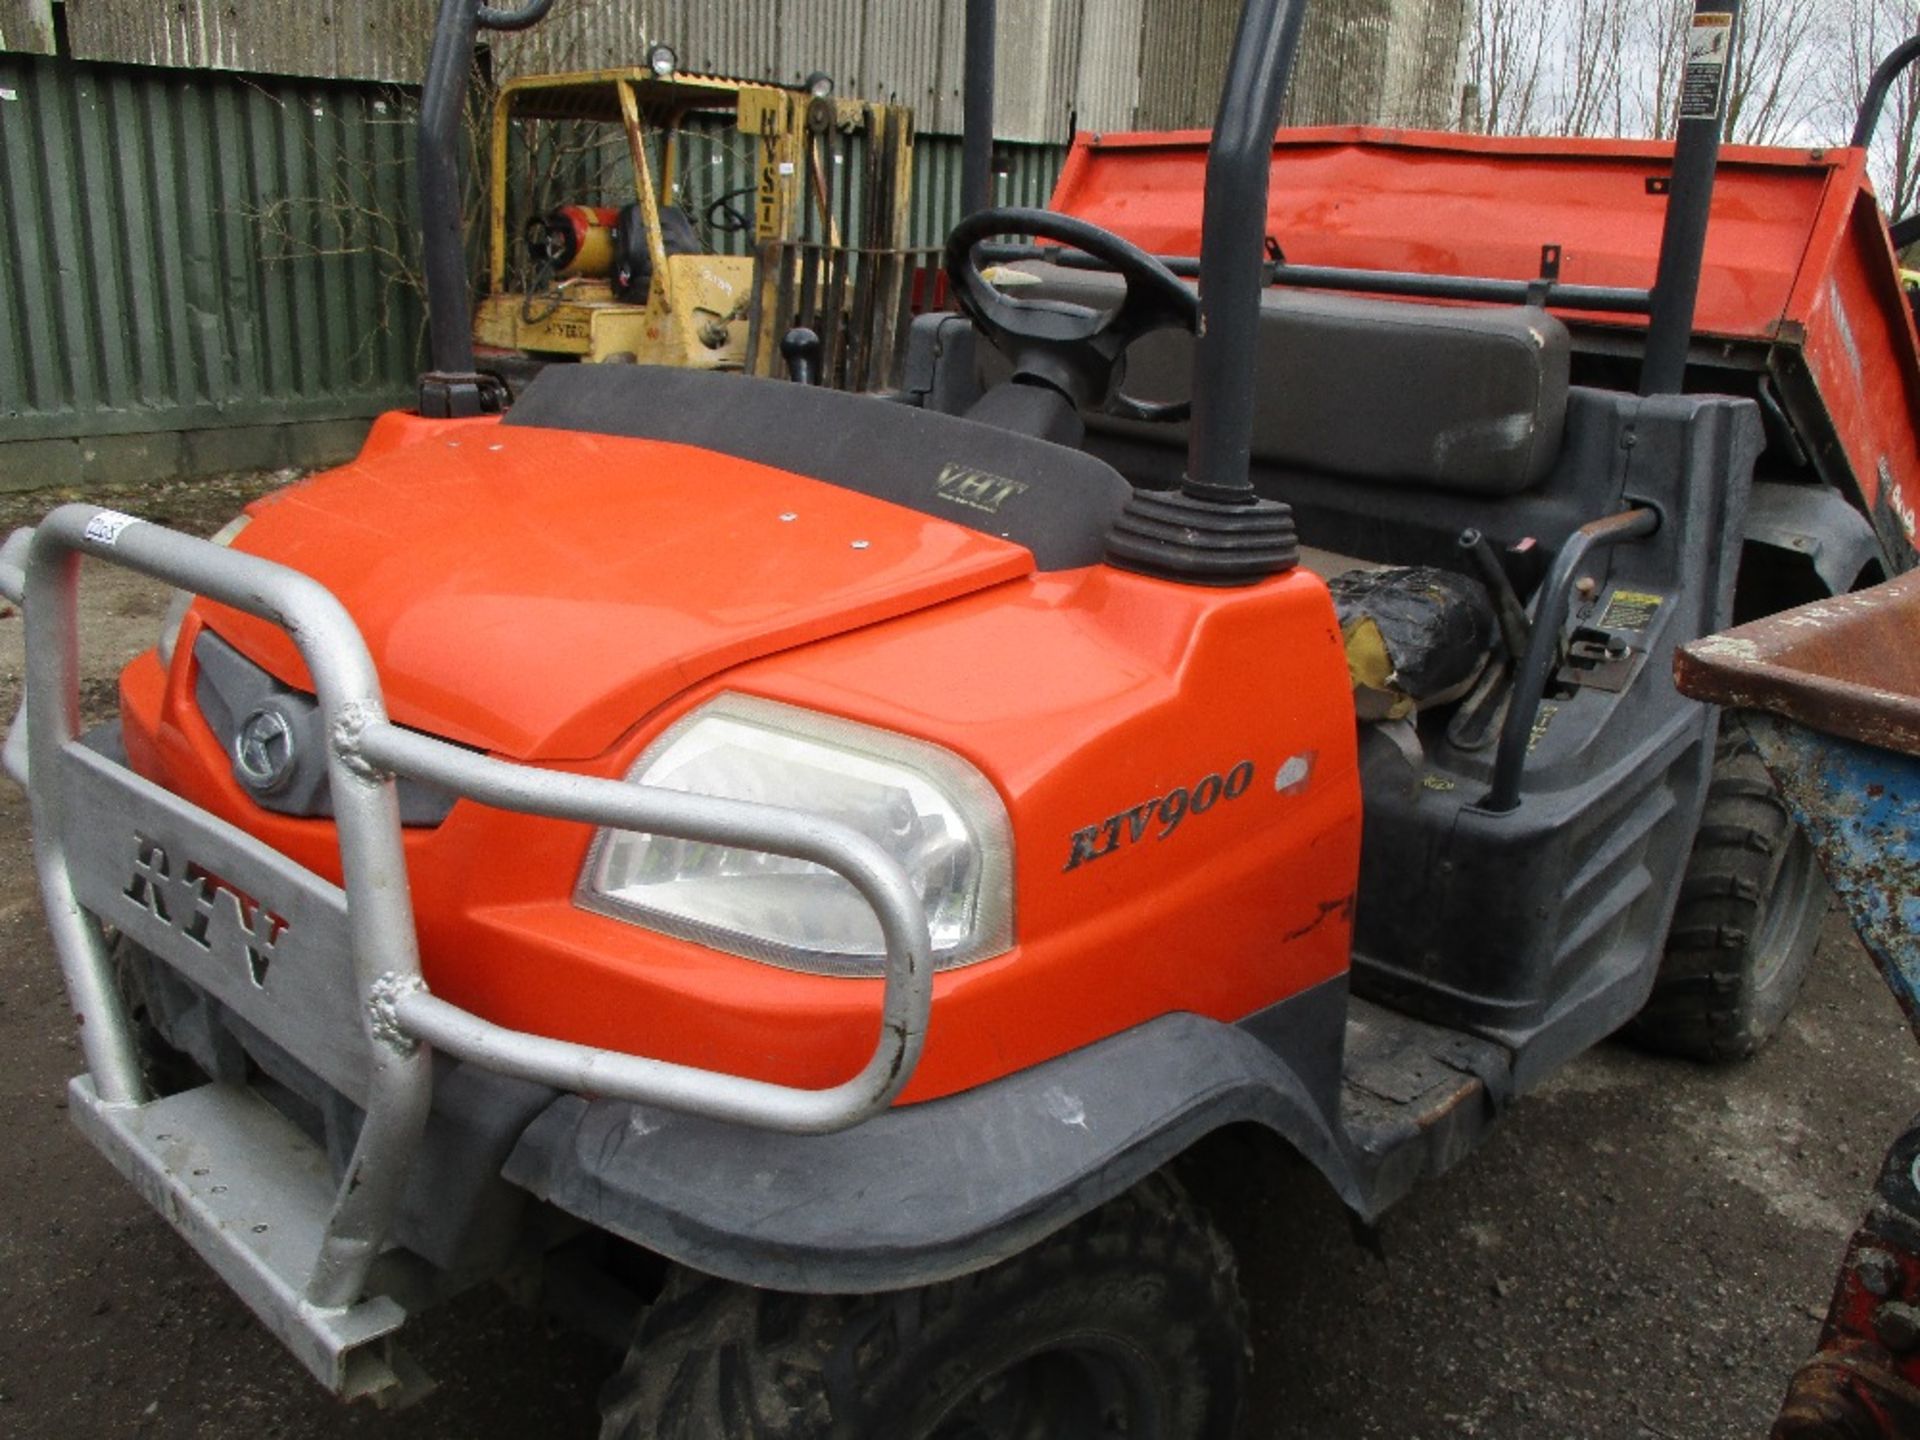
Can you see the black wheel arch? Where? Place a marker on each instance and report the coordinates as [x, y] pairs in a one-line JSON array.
[[1802, 543], [928, 1192]]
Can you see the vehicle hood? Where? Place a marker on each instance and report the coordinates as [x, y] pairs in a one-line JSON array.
[[538, 593]]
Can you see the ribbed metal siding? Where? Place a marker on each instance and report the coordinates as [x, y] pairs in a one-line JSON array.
[[1340, 72], [328, 39], [26, 26], [1183, 48], [1377, 62], [1425, 68], [1108, 88], [1055, 56], [1031, 172], [140, 288]]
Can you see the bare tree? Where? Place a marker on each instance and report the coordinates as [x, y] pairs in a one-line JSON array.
[[1871, 30], [1506, 60], [1779, 50], [1592, 98], [1613, 67], [1660, 41]]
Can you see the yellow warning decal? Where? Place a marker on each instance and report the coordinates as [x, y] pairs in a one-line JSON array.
[[1631, 610]]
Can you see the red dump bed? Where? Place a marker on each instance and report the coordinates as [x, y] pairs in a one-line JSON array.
[[1800, 279]]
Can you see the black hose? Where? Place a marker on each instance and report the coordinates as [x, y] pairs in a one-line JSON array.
[[1506, 602]]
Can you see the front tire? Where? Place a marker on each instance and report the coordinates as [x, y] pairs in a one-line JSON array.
[[1743, 935], [1128, 1323]]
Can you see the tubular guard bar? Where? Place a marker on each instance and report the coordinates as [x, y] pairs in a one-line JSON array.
[[310, 1293]]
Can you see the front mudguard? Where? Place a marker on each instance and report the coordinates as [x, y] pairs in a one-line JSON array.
[[930, 1191]]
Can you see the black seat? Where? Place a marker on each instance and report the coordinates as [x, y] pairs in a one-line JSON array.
[[1464, 399]]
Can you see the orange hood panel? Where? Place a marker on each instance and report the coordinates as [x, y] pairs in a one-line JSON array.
[[635, 570]]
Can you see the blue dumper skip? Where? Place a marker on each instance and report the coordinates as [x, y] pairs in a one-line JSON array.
[[1831, 695]]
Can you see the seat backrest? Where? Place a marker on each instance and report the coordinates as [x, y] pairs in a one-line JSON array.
[[1465, 399]]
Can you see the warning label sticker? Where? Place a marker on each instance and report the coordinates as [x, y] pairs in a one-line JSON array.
[[1630, 610], [1703, 88]]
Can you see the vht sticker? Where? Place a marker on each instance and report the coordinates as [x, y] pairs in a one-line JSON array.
[[976, 489], [1160, 816]]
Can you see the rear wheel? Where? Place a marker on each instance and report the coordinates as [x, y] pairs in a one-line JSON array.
[[1126, 1324], [1743, 935]]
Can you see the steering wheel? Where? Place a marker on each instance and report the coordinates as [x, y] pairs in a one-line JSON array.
[[1076, 349], [724, 217]]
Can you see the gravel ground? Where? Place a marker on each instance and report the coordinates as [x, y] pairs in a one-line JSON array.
[[1644, 1250]]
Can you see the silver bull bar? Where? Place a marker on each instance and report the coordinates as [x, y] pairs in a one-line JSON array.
[[212, 1158]]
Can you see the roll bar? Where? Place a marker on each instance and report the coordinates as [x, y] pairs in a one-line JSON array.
[[1683, 243], [451, 386], [1233, 233], [1904, 232], [1888, 71], [976, 145]]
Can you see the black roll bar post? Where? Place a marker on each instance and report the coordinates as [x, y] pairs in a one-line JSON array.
[[1905, 230], [1683, 241], [1888, 71], [976, 144], [1233, 259], [451, 387]]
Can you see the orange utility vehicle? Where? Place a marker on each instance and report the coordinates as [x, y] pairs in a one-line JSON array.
[[801, 868]]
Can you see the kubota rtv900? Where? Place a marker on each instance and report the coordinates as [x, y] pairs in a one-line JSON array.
[[841, 851]]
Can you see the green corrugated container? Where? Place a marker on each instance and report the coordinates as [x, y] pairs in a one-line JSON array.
[[184, 251], [203, 271]]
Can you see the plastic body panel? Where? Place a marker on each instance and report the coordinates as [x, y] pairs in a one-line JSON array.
[[930, 1191], [1541, 928], [536, 594], [1086, 697]]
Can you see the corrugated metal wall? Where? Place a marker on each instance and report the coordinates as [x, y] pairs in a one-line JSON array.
[[1060, 62], [324, 39], [1055, 57], [1375, 62], [181, 251], [153, 275], [27, 25]]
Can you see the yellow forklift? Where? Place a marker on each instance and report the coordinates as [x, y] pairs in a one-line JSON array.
[[825, 217]]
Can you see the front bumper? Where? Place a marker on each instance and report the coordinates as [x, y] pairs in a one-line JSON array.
[[331, 974]]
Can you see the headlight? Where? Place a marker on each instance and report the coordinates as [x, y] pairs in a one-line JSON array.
[[179, 600], [925, 806]]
